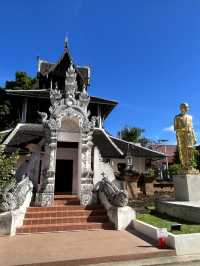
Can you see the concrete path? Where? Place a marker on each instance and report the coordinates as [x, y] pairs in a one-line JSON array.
[[76, 248], [186, 260]]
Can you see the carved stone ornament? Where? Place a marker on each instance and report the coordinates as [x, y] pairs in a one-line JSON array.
[[68, 106], [44, 199], [14, 194], [87, 194], [71, 104], [116, 197]]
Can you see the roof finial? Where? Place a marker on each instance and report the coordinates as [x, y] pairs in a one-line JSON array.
[[66, 42], [38, 64]]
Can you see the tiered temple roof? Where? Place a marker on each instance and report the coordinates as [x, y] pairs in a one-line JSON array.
[[51, 76]]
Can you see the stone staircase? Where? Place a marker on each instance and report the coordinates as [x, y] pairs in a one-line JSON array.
[[66, 214]]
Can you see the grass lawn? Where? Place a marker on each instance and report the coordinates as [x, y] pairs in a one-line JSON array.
[[165, 221]]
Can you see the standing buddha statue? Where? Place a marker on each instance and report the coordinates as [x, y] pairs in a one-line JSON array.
[[185, 137]]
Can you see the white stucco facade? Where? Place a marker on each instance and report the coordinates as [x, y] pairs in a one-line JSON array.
[[101, 167]]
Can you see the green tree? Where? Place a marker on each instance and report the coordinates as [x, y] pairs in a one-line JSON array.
[[7, 166], [9, 109], [133, 134], [174, 169], [145, 141], [9, 113], [22, 82], [196, 158]]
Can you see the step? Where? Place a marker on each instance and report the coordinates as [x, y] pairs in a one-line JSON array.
[[63, 227], [63, 208], [60, 220], [66, 202], [64, 213], [65, 196]]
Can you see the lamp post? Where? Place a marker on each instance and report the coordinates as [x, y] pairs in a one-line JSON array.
[[165, 151]]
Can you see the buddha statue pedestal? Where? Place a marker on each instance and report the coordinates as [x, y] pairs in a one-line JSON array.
[[187, 184]]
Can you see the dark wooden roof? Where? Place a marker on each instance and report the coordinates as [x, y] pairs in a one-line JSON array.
[[106, 105], [43, 93], [45, 67], [59, 68], [37, 93], [83, 72]]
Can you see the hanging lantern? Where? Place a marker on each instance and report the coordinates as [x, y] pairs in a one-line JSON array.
[[129, 159]]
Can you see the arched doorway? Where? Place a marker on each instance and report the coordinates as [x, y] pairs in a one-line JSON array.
[[67, 175]]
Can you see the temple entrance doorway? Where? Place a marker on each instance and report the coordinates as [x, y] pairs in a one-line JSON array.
[[64, 176], [69, 150]]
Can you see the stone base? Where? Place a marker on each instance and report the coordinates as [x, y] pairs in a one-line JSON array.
[[188, 211], [121, 217], [87, 196], [10, 220], [188, 172], [187, 187], [44, 199]]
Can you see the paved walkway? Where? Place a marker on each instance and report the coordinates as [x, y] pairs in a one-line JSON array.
[[75, 248], [185, 260]]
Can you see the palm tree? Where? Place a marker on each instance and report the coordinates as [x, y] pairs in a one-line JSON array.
[[133, 134]]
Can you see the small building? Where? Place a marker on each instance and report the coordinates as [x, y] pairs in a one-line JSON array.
[[63, 144], [170, 152]]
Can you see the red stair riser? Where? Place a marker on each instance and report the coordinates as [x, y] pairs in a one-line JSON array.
[[66, 203], [62, 208], [65, 220], [64, 213], [62, 227]]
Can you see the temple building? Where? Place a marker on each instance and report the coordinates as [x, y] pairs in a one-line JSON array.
[[64, 146]]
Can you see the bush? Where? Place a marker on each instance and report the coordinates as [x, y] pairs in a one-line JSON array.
[[173, 169], [7, 167], [151, 172]]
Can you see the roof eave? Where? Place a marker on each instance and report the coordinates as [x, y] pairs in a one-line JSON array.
[[159, 155]]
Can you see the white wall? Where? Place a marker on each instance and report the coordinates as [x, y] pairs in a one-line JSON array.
[[101, 167], [69, 131], [184, 244], [29, 164]]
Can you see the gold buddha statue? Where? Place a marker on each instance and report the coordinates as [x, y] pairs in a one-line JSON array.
[[185, 137]]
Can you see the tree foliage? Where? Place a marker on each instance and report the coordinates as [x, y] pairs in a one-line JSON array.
[[195, 162], [9, 111], [176, 166], [174, 169], [7, 166], [133, 134], [22, 82]]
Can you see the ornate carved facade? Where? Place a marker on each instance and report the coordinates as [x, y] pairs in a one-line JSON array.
[[65, 128], [73, 104]]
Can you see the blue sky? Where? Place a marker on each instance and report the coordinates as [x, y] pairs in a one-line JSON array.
[[143, 53]]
